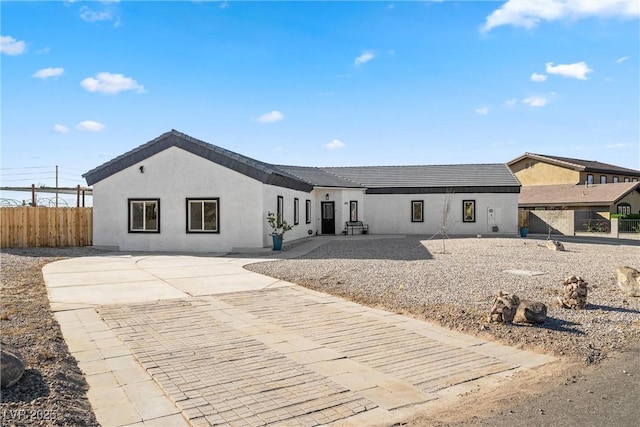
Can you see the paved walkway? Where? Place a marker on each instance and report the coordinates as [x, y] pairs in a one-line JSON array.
[[197, 340]]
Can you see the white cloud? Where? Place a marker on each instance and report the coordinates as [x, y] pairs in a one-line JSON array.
[[511, 102], [535, 101], [577, 70], [90, 126], [11, 46], [60, 129], [272, 117], [529, 13], [538, 78], [619, 145], [336, 144], [482, 111], [110, 83], [89, 15], [621, 60], [364, 58], [45, 73]]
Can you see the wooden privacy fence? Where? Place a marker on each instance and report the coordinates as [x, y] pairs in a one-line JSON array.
[[29, 227]]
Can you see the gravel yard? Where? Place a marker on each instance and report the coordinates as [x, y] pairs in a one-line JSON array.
[[454, 286], [451, 285], [52, 390]]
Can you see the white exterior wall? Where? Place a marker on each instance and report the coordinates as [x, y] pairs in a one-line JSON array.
[[341, 198], [391, 213], [172, 176], [270, 203]]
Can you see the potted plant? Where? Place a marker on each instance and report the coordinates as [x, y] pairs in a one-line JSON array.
[[278, 228]]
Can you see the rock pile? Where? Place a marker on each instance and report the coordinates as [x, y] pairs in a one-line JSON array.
[[504, 308], [12, 365], [575, 293], [628, 280], [554, 245]]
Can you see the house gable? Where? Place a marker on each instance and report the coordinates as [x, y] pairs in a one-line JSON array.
[[263, 172]]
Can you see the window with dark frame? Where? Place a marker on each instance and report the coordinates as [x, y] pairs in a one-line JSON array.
[[144, 215], [353, 210], [603, 179], [616, 179], [307, 212], [468, 211], [626, 179], [417, 211], [203, 215], [280, 210], [624, 209], [589, 179], [296, 211]]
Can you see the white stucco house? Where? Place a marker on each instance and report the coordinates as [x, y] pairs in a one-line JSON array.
[[177, 193]]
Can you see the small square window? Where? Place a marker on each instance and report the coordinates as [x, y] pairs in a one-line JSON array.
[[203, 215], [144, 215]]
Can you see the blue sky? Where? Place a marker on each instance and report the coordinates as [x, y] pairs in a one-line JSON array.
[[319, 83]]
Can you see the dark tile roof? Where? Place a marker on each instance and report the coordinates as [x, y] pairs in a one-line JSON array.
[[575, 195], [478, 175], [579, 164], [319, 177], [375, 179], [256, 169]]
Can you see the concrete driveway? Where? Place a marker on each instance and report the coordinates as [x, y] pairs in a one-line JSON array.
[[198, 340]]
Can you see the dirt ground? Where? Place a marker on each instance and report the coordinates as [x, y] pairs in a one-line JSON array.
[[570, 395]]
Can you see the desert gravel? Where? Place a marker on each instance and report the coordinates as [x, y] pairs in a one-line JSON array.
[[52, 390], [453, 282], [449, 282]]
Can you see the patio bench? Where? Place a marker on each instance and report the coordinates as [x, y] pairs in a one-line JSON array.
[[356, 225]]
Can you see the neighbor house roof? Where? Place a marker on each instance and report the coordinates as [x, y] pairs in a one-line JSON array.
[[263, 172], [577, 164], [575, 195], [492, 178]]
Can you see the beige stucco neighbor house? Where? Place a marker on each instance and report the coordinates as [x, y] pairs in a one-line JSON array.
[[541, 169], [178, 193], [587, 190]]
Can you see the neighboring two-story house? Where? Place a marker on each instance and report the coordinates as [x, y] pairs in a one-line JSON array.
[[540, 169], [593, 190]]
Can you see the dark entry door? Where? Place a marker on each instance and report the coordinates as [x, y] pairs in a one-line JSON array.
[[328, 218]]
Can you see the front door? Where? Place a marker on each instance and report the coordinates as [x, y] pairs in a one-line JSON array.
[[328, 218]]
